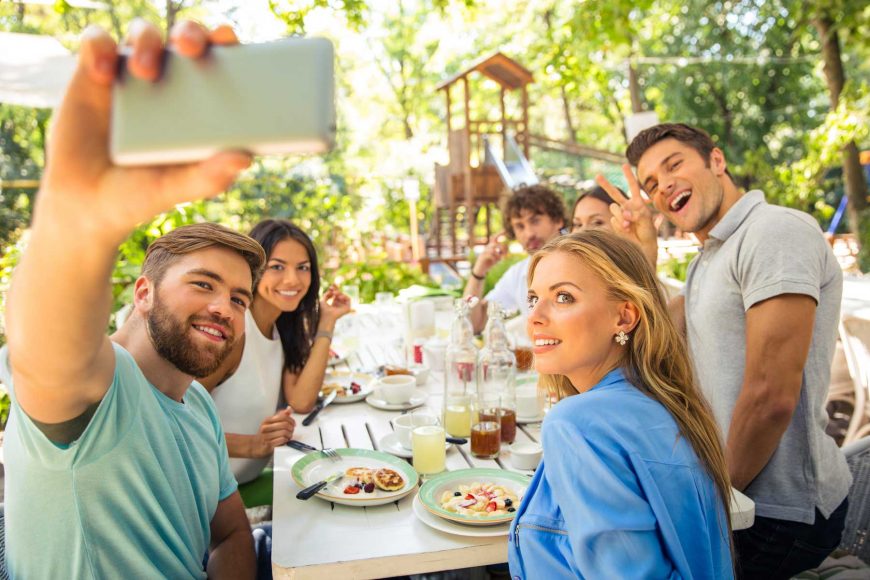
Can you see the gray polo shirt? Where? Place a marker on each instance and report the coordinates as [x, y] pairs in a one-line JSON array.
[[758, 251]]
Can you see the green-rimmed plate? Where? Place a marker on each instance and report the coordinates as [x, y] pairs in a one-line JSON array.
[[316, 467], [433, 489]]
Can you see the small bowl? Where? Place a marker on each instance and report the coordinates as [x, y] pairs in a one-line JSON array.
[[526, 455], [421, 373]]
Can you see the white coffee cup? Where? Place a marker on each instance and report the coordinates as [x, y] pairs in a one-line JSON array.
[[434, 352], [530, 402], [526, 455], [404, 425], [396, 389]]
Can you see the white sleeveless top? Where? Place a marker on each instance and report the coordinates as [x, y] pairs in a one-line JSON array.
[[251, 393]]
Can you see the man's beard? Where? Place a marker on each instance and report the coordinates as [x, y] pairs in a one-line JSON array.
[[172, 342]]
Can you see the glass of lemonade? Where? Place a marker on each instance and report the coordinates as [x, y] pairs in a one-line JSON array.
[[429, 450], [457, 416]]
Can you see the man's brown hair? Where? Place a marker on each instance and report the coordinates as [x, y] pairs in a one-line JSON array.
[[697, 139], [170, 247], [537, 199]]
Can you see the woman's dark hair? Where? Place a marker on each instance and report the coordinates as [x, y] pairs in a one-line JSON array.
[[596, 192], [296, 328]]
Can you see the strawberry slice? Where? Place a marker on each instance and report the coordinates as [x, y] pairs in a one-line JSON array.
[[351, 489], [491, 507], [470, 496]]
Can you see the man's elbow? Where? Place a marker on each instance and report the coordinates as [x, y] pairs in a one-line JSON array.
[[776, 400]]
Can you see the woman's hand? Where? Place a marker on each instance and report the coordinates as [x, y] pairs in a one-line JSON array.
[[333, 306], [274, 431], [81, 185]]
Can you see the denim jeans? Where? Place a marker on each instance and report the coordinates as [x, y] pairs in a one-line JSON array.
[[262, 535], [773, 549]]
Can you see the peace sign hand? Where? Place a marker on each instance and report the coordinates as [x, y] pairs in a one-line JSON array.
[[632, 217]]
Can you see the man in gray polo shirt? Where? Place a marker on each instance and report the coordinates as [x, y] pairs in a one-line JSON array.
[[760, 311]]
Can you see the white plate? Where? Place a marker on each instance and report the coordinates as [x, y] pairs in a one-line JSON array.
[[344, 378], [390, 444], [449, 527], [311, 469], [417, 399]]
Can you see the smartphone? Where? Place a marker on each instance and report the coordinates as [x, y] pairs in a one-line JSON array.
[[271, 98]]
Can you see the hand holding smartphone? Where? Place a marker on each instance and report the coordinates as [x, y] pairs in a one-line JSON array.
[[271, 98]]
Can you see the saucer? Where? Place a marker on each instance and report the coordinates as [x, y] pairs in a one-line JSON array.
[[390, 444], [417, 399], [526, 420]]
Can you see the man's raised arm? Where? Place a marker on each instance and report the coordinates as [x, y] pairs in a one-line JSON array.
[[59, 301]]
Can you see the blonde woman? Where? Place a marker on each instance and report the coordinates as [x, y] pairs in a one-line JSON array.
[[633, 483]]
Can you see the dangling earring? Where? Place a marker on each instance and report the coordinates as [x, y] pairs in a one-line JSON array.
[[621, 338]]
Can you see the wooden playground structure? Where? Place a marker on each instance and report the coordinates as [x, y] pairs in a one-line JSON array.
[[476, 176]]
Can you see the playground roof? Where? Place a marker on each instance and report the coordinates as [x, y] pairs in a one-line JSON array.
[[502, 69]]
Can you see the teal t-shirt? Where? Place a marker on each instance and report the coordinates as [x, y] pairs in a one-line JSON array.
[[133, 497]]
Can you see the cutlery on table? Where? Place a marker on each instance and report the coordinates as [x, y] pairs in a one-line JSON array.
[[311, 490], [319, 407]]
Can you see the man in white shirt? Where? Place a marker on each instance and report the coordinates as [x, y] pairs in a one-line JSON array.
[[533, 216]]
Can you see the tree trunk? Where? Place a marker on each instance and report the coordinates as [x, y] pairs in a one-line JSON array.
[[172, 10], [634, 89], [856, 184], [566, 108]]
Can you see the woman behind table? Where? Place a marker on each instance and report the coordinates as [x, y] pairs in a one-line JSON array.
[[591, 210], [288, 331], [633, 482]]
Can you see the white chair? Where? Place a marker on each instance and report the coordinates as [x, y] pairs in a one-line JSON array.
[[855, 337]]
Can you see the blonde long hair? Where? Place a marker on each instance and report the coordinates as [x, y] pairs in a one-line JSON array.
[[656, 359]]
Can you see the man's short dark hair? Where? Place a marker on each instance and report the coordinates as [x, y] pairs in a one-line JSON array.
[[170, 247], [538, 199], [697, 139]]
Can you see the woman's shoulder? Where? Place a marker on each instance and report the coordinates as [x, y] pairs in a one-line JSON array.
[[620, 414]]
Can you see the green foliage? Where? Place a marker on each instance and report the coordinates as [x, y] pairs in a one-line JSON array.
[[864, 240], [8, 260], [5, 407], [377, 275], [496, 272], [677, 266], [22, 144]]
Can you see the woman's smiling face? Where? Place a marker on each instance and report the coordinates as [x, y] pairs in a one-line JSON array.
[[572, 321], [287, 276]]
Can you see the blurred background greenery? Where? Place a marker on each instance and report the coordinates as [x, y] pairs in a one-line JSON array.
[[757, 75]]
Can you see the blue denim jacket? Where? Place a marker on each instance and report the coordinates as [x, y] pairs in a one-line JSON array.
[[619, 494]]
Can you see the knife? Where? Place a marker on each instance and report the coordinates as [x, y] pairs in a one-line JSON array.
[[318, 408], [313, 489], [300, 446]]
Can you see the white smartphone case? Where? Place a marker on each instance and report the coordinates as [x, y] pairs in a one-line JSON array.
[[269, 99]]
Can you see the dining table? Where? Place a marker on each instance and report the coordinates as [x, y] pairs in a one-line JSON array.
[[316, 538]]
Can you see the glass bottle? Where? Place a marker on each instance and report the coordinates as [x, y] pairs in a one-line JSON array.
[[460, 373], [498, 371]]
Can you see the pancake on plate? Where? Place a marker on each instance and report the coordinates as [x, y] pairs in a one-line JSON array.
[[364, 474], [388, 480]]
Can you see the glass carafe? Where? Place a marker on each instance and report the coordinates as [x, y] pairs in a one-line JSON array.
[[460, 373], [498, 371]]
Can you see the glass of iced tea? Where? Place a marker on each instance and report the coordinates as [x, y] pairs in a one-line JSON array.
[[485, 440]]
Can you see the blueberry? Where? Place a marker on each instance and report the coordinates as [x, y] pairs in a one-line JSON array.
[[456, 494], [369, 487], [508, 502], [510, 509]]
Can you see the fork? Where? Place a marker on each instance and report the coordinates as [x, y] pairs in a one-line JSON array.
[[331, 454]]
